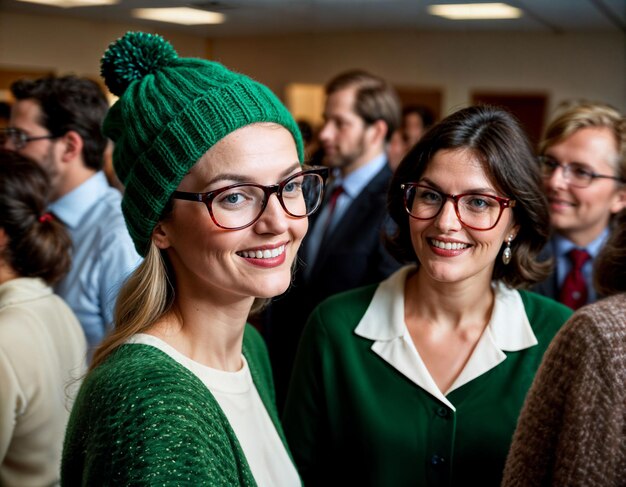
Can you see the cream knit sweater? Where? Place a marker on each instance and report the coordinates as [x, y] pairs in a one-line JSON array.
[[42, 358]]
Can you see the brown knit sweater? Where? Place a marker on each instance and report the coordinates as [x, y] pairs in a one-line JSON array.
[[572, 429]]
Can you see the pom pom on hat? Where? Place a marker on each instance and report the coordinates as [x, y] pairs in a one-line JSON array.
[[170, 112], [132, 57]]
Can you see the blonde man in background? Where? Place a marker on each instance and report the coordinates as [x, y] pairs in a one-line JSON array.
[[583, 162]]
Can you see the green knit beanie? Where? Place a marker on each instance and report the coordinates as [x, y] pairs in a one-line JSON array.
[[171, 111]]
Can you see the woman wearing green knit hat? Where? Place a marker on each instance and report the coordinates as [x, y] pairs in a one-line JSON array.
[[216, 201]]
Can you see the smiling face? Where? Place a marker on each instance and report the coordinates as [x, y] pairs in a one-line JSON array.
[[227, 265], [581, 214], [447, 250]]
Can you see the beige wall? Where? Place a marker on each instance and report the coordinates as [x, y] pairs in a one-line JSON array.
[[563, 66], [67, 45], [591, 65]]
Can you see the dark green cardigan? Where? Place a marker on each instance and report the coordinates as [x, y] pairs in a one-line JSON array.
[[353, 419], [141, 418]]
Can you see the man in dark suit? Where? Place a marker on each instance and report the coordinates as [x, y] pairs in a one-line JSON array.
[[583, 162], [344, 247]]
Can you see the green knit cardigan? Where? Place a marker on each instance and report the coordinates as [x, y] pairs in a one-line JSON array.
[[141, 418]]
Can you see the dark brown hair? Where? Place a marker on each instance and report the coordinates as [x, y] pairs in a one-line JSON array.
[[610, 266], [38, 245], [374, 100], [498, 141], [70, 103]]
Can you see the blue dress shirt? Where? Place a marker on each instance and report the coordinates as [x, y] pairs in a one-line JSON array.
[[103, 254]]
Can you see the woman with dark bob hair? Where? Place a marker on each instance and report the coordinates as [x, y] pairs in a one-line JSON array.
[[419, 380]]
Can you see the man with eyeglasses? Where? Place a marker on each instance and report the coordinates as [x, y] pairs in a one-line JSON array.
[[56, 122], [583, 164]]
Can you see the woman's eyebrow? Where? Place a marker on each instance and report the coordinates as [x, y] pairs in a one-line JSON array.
[[481, 190], [240, 178]]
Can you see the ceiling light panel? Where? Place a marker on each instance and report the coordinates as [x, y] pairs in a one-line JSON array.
[[72, 3], [183, 15], [475, 11]]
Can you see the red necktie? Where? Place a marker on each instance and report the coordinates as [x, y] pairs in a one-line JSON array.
[[332, 203], [574, 290]]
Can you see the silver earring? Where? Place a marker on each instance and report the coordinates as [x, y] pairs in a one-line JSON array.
[[507, 254]]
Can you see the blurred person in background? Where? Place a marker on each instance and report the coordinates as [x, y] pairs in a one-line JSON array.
[[416, 120], [583, 162], [344, 247], [56, 121], [42, 346]]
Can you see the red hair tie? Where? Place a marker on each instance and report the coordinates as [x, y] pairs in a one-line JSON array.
[[46, 217]]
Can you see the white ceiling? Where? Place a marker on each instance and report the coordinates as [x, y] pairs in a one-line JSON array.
[[260, 17]]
